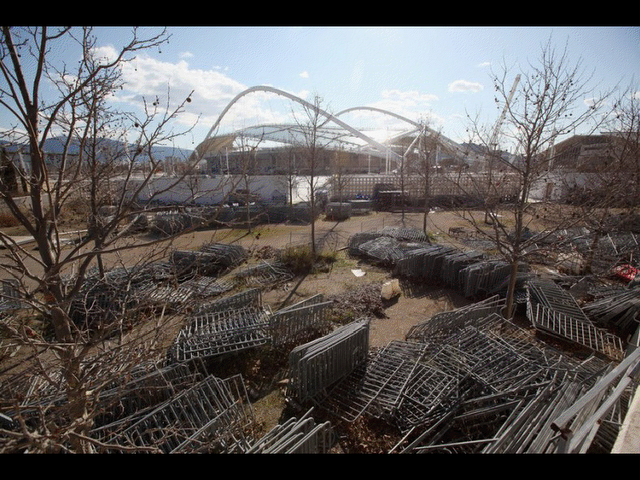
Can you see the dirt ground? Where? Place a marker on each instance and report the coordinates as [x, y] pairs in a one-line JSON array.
[[407, 309]]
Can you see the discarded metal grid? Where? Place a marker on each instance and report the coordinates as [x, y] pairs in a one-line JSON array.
[[508, 395], [555, 312], [388, 245], [446, 322], [375, 387], [100, 301], [228, 324], [453, 267], [265, 273], [554, 297], [247, 298], [240, 322], [316, 365], [405, 234], [475, 384], [212, 334], [483, 277], [293, 324], [302, 435], [408, 383], [227, 255], [146, 386], [619, 308], [9, 296], [208, 417], [565, 327], [423, 263], [468, 272]]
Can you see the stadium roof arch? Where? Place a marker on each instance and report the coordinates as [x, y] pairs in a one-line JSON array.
[[332, 132]]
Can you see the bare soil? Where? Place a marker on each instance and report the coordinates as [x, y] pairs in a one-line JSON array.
[[390, 321]]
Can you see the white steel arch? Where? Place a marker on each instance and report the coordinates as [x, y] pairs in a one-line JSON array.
[[264, 88]]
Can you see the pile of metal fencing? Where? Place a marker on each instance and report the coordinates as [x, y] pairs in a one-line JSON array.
[[469, 272], [302, 435], [172, 223], [471, 382], [403, 234], [209, 417], [129, 386], [9, 296], [241, 322], [443, 323], [210, 260], [610, 249], [388, 245], [318, 364], [104, 299], [228, 325], [186, 276], [264, 274], [618, 308], [297, 322], [555, 312]]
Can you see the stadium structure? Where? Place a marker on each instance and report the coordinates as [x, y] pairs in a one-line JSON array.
[[362, 161]]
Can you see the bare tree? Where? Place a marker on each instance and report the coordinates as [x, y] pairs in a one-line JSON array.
[[606, 187], [54, 277], [426, 151], [548, 103], [313, 117]]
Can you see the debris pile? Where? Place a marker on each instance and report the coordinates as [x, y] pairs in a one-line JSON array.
[[302, 435], [555, 312], [240, 322], [618, 308], [467, 382]]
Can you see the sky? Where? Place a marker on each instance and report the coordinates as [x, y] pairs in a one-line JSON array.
[[439, 73]]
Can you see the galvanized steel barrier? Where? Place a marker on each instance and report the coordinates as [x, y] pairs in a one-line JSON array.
[[316, 365], [302, 435]]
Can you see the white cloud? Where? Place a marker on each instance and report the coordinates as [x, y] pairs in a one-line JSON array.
[[465, 86], [304, 74], [484, 64], [186, 55], [148, 78], [106, 54], [411, 104]]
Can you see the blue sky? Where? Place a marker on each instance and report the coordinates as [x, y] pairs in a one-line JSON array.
[[439, 72]]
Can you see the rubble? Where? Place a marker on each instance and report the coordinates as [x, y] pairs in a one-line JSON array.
[[461, 381]]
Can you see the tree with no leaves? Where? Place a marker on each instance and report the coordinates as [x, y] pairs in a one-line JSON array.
[[52, 279], [312, 148], [549, 103]]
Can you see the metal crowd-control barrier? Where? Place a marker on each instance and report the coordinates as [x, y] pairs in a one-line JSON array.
[[500, 392], [247, 298], [468, 272], [446, 322], [208, 417], [9, 296], [453, 267], [555, 312], [265, 273], [553, 297], [240, 322], [619, 308], [375, 387], [294, 323], [317, 365], [566, 327], [302, 435], [593, 406], [424, 263], [212, 334]]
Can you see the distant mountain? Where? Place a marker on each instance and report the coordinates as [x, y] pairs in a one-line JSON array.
[[56, 145]]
